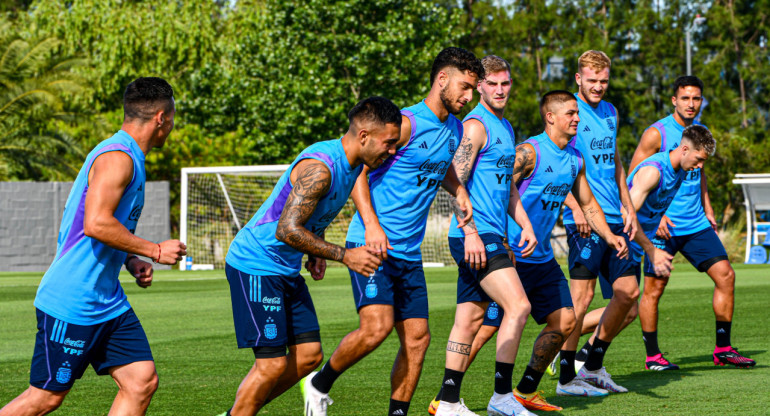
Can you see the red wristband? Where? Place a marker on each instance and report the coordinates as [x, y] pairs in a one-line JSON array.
[[158, 260]]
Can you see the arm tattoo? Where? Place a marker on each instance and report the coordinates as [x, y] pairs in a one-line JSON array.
[[464, 349], [312, 183], [463, 165], [525, 163], [462, 159], [590, 213], [546, 346]]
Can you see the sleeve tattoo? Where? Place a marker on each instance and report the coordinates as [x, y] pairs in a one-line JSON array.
[[525, 163], [312, 184]]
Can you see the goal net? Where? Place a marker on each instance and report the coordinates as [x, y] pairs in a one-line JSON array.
[[218, 201]]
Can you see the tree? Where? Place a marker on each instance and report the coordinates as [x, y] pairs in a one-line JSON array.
[[37, 94]]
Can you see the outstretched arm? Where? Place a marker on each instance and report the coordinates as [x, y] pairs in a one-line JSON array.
[[594, 214], [311, 180]]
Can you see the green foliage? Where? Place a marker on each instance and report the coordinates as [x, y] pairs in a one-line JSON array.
[[258, 80], [38, 95], [303, 64]]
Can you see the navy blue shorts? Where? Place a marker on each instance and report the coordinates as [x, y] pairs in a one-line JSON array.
[[63, 350], [398, 282], [468, 287], [493, 315], [702, 249], [270, 311], [597, 256], [546, 288]]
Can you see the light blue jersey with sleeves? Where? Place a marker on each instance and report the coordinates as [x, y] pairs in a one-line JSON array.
[[81, 286], [256, 251], [596, 141], [542, 194], [403, 188], [489, 183], [659, 199], [686, 211]]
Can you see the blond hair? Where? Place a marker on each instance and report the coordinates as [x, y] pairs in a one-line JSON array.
[[494, 63], [596, 60]]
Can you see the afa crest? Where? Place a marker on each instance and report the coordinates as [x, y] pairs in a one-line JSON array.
[[271, 330], [371, 289], [585, 253], [64, 373], [492, 312]]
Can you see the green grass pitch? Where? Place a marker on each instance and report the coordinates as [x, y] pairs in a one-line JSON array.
[[188, 320]]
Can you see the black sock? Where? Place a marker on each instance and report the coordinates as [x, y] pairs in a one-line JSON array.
[[582, 353], [440, 393], [651, 343], [451, 385], [723, 333], [398, 408], [596, 355], [228, 412], [503, 375], [325, 378], [567, 367], [529, 381]]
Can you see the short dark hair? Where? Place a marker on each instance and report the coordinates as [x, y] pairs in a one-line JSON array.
[[687, 81], [375, 109], [554, 97], [143, 96], [457, 58], [700, 137]]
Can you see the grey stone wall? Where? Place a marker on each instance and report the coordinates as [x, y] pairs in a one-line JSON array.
[[30, 215]]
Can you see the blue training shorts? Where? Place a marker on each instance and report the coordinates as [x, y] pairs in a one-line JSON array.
[[398, 282], [63, 350], [270, 311], [702, 249], [468, 287], [546, 287]]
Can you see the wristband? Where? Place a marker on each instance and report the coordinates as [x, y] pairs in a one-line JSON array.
[[158, 260]]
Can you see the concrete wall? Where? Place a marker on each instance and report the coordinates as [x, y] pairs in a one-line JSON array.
[[30, 215]]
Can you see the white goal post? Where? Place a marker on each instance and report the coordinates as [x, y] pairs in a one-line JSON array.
[[756, 194], [216, 202]]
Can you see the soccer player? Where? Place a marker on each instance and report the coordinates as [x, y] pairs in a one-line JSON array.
[[688, 227], [83, 315], [589, 255], [272, 308], [484, 164], [392, 213], [546, 170]]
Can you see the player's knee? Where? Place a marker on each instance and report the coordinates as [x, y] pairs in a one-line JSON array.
[[311, 361], [627, 296], [142, 387], [583, 302], [46, 402], [418, 343], [727, 282], [567, 324], [519, 310]]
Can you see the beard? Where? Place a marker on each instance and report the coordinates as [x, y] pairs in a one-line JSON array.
[[449, 103]]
